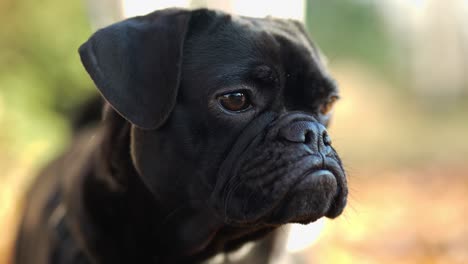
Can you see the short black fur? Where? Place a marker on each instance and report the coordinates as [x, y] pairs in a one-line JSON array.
[[169, 175]]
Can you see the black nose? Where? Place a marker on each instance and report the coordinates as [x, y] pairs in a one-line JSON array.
[[310, 133]]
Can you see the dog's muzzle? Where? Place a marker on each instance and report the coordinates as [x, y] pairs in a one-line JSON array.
[[280, 170]]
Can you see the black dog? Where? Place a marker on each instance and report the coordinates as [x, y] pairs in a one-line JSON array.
[[213, 135]]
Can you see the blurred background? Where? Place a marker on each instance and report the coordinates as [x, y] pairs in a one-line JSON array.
[[401, 126]]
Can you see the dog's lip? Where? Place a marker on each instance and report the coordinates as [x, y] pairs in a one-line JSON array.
[[332, 174], [339, 201], [310, 179]]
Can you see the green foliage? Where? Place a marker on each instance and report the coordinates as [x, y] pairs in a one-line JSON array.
[[350, 29], [41, 78]]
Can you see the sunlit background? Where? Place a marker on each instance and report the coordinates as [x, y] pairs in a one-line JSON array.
[[401, 126]]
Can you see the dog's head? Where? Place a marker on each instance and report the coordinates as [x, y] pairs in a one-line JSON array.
[[228, 117]]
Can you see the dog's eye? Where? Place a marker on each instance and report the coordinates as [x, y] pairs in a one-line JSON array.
[[235, 101], [327, 107]]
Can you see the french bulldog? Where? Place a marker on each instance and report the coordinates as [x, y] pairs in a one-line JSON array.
[[213, 135]]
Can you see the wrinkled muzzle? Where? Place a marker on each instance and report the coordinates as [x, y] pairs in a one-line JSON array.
[[280, 170]]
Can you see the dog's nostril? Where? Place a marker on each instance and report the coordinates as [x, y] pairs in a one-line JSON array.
[[308, 137], [326, 139]]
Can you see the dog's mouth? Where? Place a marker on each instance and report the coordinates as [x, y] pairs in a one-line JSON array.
[[310, 198], [300, 192], [317, 193], [273, 182]]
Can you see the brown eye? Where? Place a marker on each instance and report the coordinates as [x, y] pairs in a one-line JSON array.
[[327, 107], [235, 102]]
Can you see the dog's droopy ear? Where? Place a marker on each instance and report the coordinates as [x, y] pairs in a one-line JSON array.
[[136, 64]]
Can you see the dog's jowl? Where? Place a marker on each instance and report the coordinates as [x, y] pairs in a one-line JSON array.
[[213, 134]]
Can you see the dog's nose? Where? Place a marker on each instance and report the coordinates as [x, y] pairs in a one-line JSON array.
[[310, 133]]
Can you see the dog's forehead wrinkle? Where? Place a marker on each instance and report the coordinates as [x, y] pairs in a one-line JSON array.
[[306, 82], [299, 62], [266, 75]]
